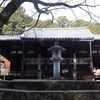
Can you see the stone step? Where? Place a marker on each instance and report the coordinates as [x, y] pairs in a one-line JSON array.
[[50, 85], [22, 89], [17, 94], [50, 91]]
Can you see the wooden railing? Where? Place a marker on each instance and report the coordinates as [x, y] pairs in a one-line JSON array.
[[15, 73], [25, 73]]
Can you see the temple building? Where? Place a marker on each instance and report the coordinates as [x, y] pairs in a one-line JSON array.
[[31, 54]]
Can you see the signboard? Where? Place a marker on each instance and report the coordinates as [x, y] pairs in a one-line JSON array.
[[4, 71]]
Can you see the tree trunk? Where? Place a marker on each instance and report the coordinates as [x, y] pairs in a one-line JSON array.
[[9, 10]]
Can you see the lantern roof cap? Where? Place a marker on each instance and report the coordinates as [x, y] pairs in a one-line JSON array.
[[56, 46]]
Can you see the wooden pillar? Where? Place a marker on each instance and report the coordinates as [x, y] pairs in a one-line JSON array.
[[91, 62], [74, 67], [45, 71], [22, 65], [39, 67]]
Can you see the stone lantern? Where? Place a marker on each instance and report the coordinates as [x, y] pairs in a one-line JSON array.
[[56, 58]]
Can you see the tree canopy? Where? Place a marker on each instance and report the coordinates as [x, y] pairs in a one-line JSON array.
[[62, 21], [17, 22]]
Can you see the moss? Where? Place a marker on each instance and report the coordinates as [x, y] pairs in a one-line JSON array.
[[7, 95], [50, 96]]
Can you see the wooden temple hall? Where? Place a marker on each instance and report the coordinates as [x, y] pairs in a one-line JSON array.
[[51, 53]]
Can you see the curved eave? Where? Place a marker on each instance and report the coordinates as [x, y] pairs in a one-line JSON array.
[[10, 38], [59, 39]]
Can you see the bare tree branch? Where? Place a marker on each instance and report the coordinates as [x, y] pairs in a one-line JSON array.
[[13, 5], [2, 2], [89, 13]]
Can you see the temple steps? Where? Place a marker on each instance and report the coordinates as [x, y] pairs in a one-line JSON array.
[[29, 84], [28, 89]]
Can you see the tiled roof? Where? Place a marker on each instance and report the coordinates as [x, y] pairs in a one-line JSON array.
[[9, 37], [72, 34], [96, 37], [82, 33]]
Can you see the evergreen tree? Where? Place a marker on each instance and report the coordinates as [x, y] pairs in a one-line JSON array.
[[62, 22], [93, 27], [17, 23]]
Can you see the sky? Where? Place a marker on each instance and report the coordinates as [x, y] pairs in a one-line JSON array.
[[80, 14]]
